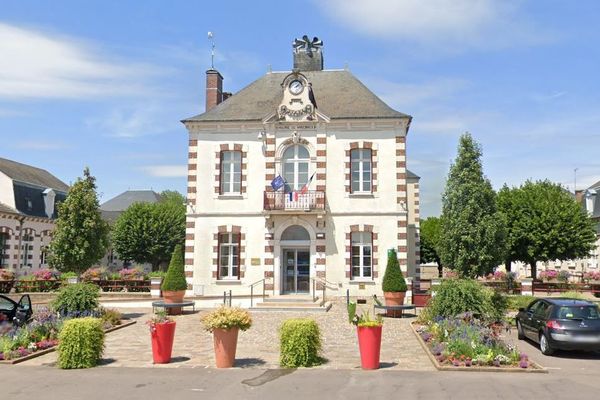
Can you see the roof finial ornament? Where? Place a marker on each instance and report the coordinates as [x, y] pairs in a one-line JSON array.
[[307, 45], [212, 51]]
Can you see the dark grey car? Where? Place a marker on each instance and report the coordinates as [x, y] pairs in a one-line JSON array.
[[560, 324], [17, 313]]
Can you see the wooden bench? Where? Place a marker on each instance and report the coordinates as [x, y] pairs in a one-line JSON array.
[[166, 306], [395, 308]]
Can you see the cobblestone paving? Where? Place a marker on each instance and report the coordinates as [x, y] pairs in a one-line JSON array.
[[259, 346]]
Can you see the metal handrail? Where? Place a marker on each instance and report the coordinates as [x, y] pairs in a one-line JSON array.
[[252, 291], [324, 283]]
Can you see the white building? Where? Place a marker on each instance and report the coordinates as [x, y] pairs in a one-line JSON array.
[[347, 199], [28, 199]]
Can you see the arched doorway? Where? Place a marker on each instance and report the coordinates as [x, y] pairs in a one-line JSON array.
[[295, 260]]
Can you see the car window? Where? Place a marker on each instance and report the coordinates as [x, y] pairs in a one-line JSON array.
[[578, 312], [540, 310], [533, 306], [6, 304]]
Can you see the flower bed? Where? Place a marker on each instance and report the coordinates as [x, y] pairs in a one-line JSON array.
[[40, 335], [464, 342]]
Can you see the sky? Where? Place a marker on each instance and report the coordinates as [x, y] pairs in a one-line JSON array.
[[105, 83]]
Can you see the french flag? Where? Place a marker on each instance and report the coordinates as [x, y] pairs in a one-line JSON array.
[[305, 187]]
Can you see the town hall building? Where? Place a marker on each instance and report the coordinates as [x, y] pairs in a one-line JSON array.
[[298, 180]]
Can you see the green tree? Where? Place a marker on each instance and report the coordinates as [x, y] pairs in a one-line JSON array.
[[544, 222], [81, 235], [472, 240], [430, 237], [393, 280], [149, 232]]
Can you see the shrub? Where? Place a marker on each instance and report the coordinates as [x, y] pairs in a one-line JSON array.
[[66, 275], [227, 318], [519, 301], [457, 296], [573, 295], [93, 274], [300, 343], [77, 299], [175, 278], [393, 281], [157, 274], [80, 343], [131, 274], [110, 317]]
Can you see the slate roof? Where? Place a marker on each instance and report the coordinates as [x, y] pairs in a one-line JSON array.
[[412, 175], [31, 175], [121, 202], [6, 209], [339, 95]]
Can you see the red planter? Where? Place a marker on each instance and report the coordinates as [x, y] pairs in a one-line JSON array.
[[420, 300], [369, 343], [162, 336]]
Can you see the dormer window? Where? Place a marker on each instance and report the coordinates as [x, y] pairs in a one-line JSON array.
[[29, 204]]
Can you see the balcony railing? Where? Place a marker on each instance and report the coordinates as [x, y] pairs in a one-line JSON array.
[[312, 200]]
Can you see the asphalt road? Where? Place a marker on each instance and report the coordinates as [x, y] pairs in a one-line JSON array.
[[571, 362], [26, 383]]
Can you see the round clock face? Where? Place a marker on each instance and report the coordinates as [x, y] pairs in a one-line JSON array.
[[296, 87]]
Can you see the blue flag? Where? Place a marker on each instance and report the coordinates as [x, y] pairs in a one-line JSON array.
[[277, 183]]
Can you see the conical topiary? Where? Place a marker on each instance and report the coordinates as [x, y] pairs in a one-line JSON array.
[[393, 280], [175, 278]]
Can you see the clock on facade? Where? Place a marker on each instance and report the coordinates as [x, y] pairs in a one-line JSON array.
[[296, 87]]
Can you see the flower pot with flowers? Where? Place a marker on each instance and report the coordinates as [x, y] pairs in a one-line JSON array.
[[394, 285], [225, 324], [549, 276], [369, 336], [7, 280], [174, 285], [592, 277], [162, 333]]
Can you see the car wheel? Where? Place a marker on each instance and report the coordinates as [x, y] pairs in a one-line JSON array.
[[520, 333], [545, 346]]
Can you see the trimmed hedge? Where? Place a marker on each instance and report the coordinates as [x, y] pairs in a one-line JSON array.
[[80, 343], [393, 280], [300, 343], [175, 278], [77, 299]]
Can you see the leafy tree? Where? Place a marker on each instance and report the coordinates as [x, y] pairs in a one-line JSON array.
[[81, 235], [544, 222], [430, 237], [148, 232], [472, 240]]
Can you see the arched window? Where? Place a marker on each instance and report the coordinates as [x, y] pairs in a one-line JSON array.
[[295, 232], [295, 160]]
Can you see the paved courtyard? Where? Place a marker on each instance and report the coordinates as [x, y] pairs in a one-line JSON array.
[[259, 346]]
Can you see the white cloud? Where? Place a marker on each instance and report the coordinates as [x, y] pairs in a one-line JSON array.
[[166, 171], [444, 22], [35, 64], [40, 145], [136, 120]]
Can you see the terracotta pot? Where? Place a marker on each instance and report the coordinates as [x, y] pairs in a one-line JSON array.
[[225, 343], [394, 299], [172, 297], [369, 344]]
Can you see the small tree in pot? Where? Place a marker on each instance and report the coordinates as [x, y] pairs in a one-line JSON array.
[[174, 285], [394, 285]]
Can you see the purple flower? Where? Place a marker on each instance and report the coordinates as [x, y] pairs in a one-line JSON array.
[[523, 363], [496, 363]]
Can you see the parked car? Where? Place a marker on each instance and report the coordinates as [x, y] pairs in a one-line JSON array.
[[560, 324], [17, 313]]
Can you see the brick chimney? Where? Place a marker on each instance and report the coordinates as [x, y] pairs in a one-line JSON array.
[[214, 88]]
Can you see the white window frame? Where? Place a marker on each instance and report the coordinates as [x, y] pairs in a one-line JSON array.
[[294, 164], [25, 250], [232, 243], [365, 241], [228, 164], [365, 156]]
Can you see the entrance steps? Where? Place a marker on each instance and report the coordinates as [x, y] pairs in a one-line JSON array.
[[292, 303]]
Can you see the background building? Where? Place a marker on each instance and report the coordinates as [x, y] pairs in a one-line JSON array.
[[346, 196], [28, 204]]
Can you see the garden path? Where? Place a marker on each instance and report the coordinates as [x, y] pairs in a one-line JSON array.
[[259, 346]]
